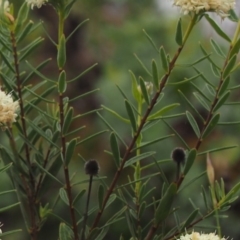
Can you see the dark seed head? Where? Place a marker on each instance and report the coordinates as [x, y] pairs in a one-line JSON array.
[[178, 155], [91, 167]]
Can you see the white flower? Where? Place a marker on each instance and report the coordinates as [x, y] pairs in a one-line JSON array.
[[200, 236], [5, 5], [8, 109], [37, 3], [221, 7]]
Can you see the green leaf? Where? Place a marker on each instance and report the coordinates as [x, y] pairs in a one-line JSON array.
[[137, 158], [68, 8], [211, 125], [67, 120], [178, 36], [100, 196], [21, 17], [144, 90], [235, 49], [131, 116], [194, 109], [230, 194], [190, 160], [155, 74], [218, 30], [217, 49], [162, 111], [211, 90], [230, 66], [111, 199], [62, 83], [54, 169], [232, 15], [63, 195], [193, 123], [115, 114], [201, 100], [145, 144], [205, 198], [30, 48], [217, 149], [25, 31], [102, 234], [186, 80], [143, 66], [115, 149], [208, 57], [65, 232], [165, 204], [78, 197], [61, 55], [151, 41], [224, 86], [164, 59], [111, 128], [7, 62], [5, 168], [4, 209], [221, 101], [189, 220], [70, 147], [135, 90]]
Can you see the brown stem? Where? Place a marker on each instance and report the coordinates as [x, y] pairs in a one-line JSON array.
[[131, 146], [66, 170], [87, 205], [30, 194]]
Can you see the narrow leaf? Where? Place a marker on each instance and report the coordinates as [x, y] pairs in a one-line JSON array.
[[115, 149], [218, 30], [217, 49], [135, 89], [65, 232], [63, 195], [155, 74], [211, 125], [193, 123], [162, 111], [164, 206], [221, 101], [178, 36], [190, 160], [131, 116], [164, 59], [229, 66], [100, 196], [70, 147], [62, 84], [224, 86], [67, 120], [144, 90]]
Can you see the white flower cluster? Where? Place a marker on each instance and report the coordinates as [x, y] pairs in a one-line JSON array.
[[37, 3], [200, 236], [4, 4], [8, 109], [221, 7]]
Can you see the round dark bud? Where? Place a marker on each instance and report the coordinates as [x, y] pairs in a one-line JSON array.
[[178, 155], [91, 167]]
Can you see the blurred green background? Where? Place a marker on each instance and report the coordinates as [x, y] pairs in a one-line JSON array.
[[112, 36]]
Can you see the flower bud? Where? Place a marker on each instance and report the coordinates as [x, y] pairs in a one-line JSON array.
[[178, 155], [91, 167], [149, 88]]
